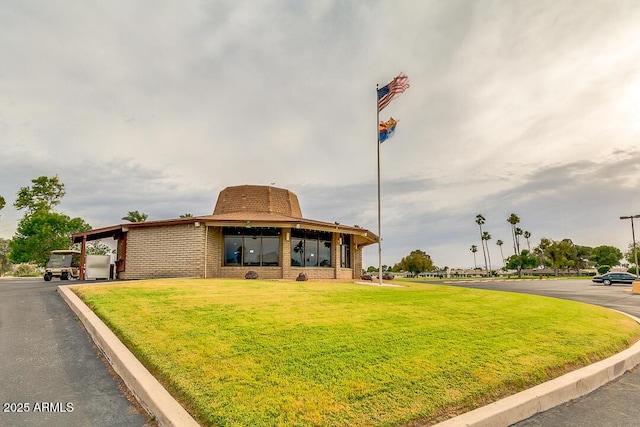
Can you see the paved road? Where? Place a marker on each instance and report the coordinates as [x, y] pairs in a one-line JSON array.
[[614, 404], [48, 361]]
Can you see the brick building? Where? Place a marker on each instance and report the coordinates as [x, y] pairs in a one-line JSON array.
[[257, 228]]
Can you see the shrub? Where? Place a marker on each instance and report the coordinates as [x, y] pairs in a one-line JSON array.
[[604, 268], [26, 270]]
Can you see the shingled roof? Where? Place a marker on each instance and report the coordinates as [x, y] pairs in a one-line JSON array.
[[244, 199]]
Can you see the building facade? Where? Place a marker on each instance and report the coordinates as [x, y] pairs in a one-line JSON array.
[[252, 228]]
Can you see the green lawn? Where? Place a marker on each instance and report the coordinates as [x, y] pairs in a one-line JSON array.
[[264, 353]]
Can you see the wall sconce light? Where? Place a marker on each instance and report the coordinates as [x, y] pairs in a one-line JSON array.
[[248, 224], [286, 236], [197, 224]]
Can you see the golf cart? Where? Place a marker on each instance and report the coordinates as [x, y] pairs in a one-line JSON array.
[[64, 264]]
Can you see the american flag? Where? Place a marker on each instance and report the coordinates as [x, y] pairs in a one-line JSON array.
[[393, 89]]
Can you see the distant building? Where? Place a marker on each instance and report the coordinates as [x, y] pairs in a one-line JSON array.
[[258, 228]]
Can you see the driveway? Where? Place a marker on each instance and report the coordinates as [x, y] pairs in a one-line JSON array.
[[49, 368], [614, 404]]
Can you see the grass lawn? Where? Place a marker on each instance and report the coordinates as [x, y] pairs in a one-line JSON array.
[[264, 353]]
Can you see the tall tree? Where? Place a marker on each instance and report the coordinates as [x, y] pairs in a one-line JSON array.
[[518, 232], [527, 236], [416, 262], [606, 255], [500, 243], [186, 215], [560, 254], [42, 232], [43, 195], [473, 250], [2, 202], [485, 238], [135, 216], [513, 220], [480, 220]]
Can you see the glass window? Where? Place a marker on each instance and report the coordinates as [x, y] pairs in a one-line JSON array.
[[345, 251], [310, 248], [251, 246]]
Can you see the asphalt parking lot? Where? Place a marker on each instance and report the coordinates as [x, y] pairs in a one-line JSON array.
[[50, 372]]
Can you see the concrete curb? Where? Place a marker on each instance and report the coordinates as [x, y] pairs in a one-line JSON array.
[[155, 398], [540, 398]]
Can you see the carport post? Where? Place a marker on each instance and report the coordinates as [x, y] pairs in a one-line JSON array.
[[83, 253]]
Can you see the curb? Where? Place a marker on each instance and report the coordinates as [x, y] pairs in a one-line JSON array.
[[149, 392], [540, 398]]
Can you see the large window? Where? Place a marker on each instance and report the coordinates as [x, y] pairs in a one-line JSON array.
[[310, 248], [251, 246]]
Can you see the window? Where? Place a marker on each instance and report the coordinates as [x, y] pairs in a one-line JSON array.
[[310, 248], [345, 251], [251, 246]]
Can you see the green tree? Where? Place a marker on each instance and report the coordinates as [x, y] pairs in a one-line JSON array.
[[485, 238], [527, 236], [135, 216], [560, 254], [416, 262], [523, 260], [43, 195], [2, 202], [42, 230], [513, 220], [40, 233], [186, 215], [606, 255], [5, 262], [480, 220], [500, 243], [583, 256], [473, 250], [629, 255], [541, 252]]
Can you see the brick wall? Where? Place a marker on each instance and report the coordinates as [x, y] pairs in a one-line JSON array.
[[164, 251], [179, 251]]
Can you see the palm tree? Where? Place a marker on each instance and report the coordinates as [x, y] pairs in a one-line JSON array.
[[473, 250], [481, 220], [518, 232], [485, 238], [527, 235], [135, 216], [513, 220], [186, 215], [500, 243]]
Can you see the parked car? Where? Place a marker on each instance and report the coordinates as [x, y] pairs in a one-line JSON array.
[[609, 278]]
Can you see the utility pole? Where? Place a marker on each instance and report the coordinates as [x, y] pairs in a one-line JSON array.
[[633, 236]]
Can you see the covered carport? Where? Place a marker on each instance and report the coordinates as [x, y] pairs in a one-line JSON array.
[[116, 232]]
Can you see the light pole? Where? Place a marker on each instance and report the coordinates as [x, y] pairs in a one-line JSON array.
[[633, 236]]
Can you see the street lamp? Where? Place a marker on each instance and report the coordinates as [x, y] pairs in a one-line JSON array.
[[633, 236]]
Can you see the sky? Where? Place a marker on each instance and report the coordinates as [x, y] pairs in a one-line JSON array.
[[514, 106]]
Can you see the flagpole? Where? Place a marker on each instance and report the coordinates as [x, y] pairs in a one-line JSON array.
[[379, 209]]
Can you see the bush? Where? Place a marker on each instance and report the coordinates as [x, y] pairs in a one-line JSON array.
[[604, 268], [387, 276], [251, 275], [26, 270]]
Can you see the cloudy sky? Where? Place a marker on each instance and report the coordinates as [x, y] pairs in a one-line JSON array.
[[524, 106]]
